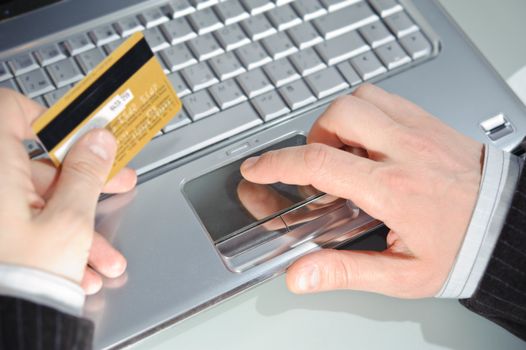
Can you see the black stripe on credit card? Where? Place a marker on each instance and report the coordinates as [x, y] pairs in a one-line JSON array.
[[87, 102]]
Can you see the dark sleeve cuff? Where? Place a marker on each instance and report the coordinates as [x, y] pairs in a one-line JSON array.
[[27, 325], [501, 294]]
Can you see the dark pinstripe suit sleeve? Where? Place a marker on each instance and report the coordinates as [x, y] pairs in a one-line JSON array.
[[501, 293], [26, 325]]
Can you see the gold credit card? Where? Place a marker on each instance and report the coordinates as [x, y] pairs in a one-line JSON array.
[[127, 93]]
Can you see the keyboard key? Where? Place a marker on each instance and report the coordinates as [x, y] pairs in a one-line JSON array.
[[307, 61], [392, 55], [165, 68], [64, 72], [178, 31], [281, 72], [127, 26], [180, 8], [199, 76], [341, 48], [367, 65], [4, 72], [400, 24], [297, 94], [304, 35], [196, 136], [9, 84], [282, 2], [205, 47], [177, 57], [279, 45], [270, 106], [155, 39], [181, 119], [32, 147], [345, 20], [326, 82], [52, 97], [227, 94], [49, 54], [349, 73], [254, 83], [152, 17], [204, 21], [179, 85], [35, 83], [22, 63], [40, 100], [386, 7], [109, 48], [231, 37], [78, 43], [103, 35], [283, 17], [201, 4], [335, 5], [255, 7], [257, 27], [376, 34], [226, 66], [416, 45], [253, 55], [231, 12], [90, 59], [309, 9], [200, 105]]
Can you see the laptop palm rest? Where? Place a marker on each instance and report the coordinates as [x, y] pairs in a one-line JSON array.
[[251, 223]]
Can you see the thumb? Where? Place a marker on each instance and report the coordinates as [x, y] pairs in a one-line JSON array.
[[84, 173], [331, 269]]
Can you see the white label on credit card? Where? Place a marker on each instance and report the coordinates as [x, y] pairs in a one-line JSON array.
[[102, 118]]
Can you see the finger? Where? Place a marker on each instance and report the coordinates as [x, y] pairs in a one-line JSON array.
[[105, 259], [328, 169], [396, 107], [350, 121], [330, 269], [83, 174], [16, 189], [19, 112], [91, 282], [44, 175], [411, 115]]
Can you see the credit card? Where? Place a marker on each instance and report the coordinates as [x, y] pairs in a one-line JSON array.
[[127, 93]]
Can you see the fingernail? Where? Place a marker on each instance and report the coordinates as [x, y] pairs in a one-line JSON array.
[[308, 279], [249, 162], [99, 142]]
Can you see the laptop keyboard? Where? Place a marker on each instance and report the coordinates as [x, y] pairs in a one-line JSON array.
[[235, 64]]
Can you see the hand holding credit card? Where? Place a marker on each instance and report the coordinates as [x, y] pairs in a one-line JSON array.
[[127, 93]]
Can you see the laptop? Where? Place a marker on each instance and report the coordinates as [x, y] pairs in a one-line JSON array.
[[253, 75]]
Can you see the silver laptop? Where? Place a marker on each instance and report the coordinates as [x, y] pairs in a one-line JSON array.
[[253, 75]]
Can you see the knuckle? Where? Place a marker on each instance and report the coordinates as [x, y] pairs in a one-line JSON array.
[[84, 170], [363, 90], [271, 160], [315, 157], [394, 177], [343, 102], [418, 143], [339, 272]]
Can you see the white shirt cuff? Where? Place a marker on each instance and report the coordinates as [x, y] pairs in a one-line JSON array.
[[499, 178], [42, 288]]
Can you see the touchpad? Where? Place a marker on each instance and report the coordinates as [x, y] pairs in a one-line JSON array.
[[228, 205]]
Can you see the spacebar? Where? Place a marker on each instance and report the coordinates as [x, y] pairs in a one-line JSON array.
[[195, 136]]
